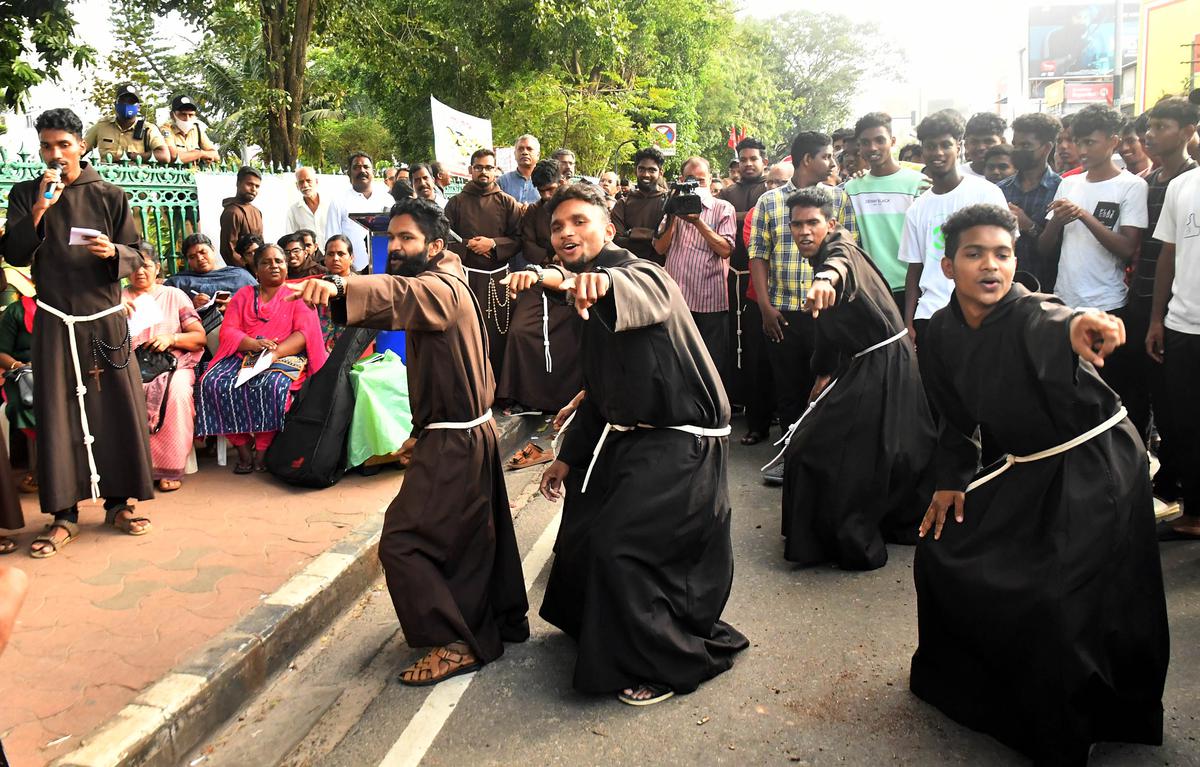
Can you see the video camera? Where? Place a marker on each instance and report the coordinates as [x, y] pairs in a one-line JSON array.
[[683, 200]]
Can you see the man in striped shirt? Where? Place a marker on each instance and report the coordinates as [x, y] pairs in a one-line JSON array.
[[697, 248]]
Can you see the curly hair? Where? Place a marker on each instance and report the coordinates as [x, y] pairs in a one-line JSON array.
[[1044, 127], [59, 119], [1096, 117], [972, 216], [946, 122], [649, 153], [544, 173]]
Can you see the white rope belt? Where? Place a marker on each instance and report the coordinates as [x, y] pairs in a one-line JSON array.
[[546, 332], [1070, 444], [699, 431], [562, 430], [786, 439], [70, 321], [481, 420], [737, 299]]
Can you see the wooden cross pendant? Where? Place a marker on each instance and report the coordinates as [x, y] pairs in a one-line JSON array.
[[95, 373]]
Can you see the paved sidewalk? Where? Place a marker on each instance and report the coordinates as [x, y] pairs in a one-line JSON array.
[[113, 613]]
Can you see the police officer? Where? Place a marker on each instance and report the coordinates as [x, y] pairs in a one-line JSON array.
[[185, 134], [127, 133]]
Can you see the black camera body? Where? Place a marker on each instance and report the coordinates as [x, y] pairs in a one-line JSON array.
[[683, 200]]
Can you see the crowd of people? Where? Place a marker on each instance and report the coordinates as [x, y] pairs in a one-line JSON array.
[[972, 343]]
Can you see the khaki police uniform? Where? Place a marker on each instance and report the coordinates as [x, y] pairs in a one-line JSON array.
[[195, 139], [109, 138]]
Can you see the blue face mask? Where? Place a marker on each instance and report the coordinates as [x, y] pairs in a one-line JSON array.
[[127, 111]]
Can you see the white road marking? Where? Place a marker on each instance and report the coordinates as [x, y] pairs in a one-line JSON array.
[[423, 729]]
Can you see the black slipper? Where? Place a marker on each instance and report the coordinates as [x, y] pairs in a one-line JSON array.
[[242, 468]]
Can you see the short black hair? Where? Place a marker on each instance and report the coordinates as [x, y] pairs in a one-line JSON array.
[[562, 151], [307, 233], [354, 156], [197, 238], [1176, 108], [246, 171], [288, 239], [544, 173], [997, 150], [976, 215], [340, 238], [1194, 96], [986, 124], [945, 122], [429, 217], [873, 120], [592, 195], [1096, 117], [412, 169], [401, 189], [60, 119], [811, 197], [1044, 127], [908, 151], [841, 134], [808, 143], [649, 153], [244, 242], [482, 152], [752, 143], [1067, 121]]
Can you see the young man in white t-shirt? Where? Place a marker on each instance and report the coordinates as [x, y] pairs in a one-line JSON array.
[[1174, 339], [926, 288], [1098, 216]]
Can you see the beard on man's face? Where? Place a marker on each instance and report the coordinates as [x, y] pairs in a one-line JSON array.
[[399, 265]]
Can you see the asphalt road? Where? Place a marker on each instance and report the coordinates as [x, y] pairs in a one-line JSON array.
[[824, 682]]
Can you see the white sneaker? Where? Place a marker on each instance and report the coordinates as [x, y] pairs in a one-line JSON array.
[[774, 475]]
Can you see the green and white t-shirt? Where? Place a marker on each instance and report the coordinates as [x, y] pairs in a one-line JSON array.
[[880, 203]]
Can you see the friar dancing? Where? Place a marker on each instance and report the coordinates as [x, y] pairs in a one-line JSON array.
[[1040, 608], [642, 579], [855, 459], [448, 549], [93, 440]]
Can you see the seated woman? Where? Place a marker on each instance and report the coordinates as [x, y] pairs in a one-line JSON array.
[[259, 320], [169, 402], [208, 282], [16, 352], [338, 261]]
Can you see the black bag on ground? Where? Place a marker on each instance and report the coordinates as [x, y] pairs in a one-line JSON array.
[[310, 450]]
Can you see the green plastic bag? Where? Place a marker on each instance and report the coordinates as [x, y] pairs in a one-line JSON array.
[[382, 415]]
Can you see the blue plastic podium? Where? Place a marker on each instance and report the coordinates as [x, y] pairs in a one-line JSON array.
[[387, 339]]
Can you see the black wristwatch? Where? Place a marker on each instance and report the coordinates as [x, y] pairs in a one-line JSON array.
[[338, 282]]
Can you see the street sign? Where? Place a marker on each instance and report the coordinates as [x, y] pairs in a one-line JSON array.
[[667, 136]]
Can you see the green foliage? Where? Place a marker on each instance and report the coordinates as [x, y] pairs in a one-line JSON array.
[[36, 40], [336, 139]]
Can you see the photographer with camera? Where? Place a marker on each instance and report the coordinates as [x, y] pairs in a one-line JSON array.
[[697, 239], [127, 134]]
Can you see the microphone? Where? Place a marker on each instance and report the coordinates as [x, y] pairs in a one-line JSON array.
[[49, 193]]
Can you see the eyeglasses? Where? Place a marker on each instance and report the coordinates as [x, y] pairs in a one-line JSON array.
[[482, 168]]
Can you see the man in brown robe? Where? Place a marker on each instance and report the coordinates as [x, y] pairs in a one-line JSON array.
[[541, 365], [239, 216], [749, 375], [448, 548], [79, 281], [489, 222], [637, 216]]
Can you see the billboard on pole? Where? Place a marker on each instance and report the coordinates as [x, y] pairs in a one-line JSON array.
[[456, 135], [1079, 39]]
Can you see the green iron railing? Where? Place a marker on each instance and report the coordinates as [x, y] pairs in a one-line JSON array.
[[162, 196]]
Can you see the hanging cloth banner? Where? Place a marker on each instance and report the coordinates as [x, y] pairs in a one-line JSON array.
[[456, 135]]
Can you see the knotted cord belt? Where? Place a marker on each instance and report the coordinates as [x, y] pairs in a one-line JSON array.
[[481, 420], [1009, 460], [70, 321], [786, 439], [699, 431], [546, 332], [737, 299]]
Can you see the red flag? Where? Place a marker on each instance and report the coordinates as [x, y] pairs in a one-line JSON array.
[[733, 139]]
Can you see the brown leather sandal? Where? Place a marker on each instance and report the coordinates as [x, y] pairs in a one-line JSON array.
[[126, 524], [49, 547], [447, 663], [530, 455]]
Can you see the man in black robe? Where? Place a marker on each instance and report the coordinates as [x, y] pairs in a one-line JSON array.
[[651, 524], [1040, 611], [81, 282], [448, 548], [637, 216], [855, 459]]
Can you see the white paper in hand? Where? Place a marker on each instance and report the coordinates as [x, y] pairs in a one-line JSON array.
[[82, 235], [146, 314], [263, 362]]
